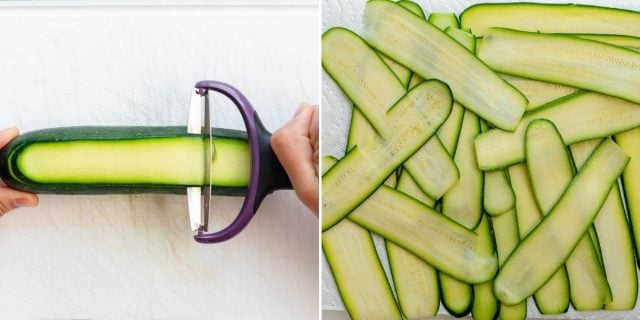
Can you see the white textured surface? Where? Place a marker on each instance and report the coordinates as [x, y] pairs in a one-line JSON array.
[[133, 257], [336, 112]]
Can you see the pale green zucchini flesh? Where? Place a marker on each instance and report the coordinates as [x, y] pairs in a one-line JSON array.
[[444, 20], [551, 171], [444, 244], [579, 117], [613, 236], [562, 59], [538, 93], [349, 250], [431, 53], [524, 272], [463, 202], [553, 296], [505, 232], [550, 18], [498, 196], [415, 281], [485, 305]]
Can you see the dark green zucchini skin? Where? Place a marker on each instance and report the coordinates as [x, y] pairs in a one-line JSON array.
[[11, 175]]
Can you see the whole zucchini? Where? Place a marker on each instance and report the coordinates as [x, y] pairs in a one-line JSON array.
[[119, 160]]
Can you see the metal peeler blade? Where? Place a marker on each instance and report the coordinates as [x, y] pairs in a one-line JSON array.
[[198, 207]]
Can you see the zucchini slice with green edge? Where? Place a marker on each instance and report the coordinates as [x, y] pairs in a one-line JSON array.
[[538, 93], [553, 296], [415, 281], [97, 160], [505, 232], [431, 53], [524, 272], [567, 60], [441, 242], [614, 237], [444, 20], [579, 117], [498, 196], [485, 305], [550, 18], [346, 58], [551, 171], [349, 250]]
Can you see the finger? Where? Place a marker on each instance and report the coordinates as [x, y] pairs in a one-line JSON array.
[[11, 199], [294, 149], [315, 139], [7, 135]]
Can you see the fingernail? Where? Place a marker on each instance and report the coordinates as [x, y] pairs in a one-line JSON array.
[[23, 202], [301, 107]]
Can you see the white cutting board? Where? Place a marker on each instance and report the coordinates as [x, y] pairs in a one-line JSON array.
[[336, 113], [133, 257]]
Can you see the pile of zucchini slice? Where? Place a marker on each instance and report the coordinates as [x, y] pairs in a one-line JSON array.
[[493, 153]]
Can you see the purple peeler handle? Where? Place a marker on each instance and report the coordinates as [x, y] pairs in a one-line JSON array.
[[263, 180]]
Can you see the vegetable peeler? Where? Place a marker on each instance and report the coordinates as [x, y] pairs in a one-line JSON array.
[[109, 160], [266, 174]]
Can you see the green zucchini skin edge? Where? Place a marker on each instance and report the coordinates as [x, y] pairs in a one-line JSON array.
[[11, 175]]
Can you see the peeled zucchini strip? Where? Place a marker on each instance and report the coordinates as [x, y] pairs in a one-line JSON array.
[[374, 88], [444, 244], [550, 18], [524, 272], [579, 117], [349, 249], [538, 93], [613, 235], [553, 296], [505, 231], [431, 53], [562, 59], [551, 171], [415, 281]]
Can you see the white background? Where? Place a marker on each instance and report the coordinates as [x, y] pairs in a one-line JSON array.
[[124, 257], [336, 111]]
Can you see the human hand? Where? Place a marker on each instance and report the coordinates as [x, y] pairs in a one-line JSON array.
[[297, 147], [11, 198]]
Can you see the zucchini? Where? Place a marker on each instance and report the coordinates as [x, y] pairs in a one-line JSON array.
[[415, 281], [550, 18], [505, 232], [551, 170], [462, 37], [349, 249], [498, 196], [485, 305], [524, 272], [96, 160], [553, 297], [628, 141], [409, 124], [431, 53], [579, 117], [444, 244], [563, 59], [346, 58], [616, 40], [537, 92], [463, 202], [413, 7], [444, 20], [614, 236]]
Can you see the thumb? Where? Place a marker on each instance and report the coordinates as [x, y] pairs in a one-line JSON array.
[[11, 199]]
